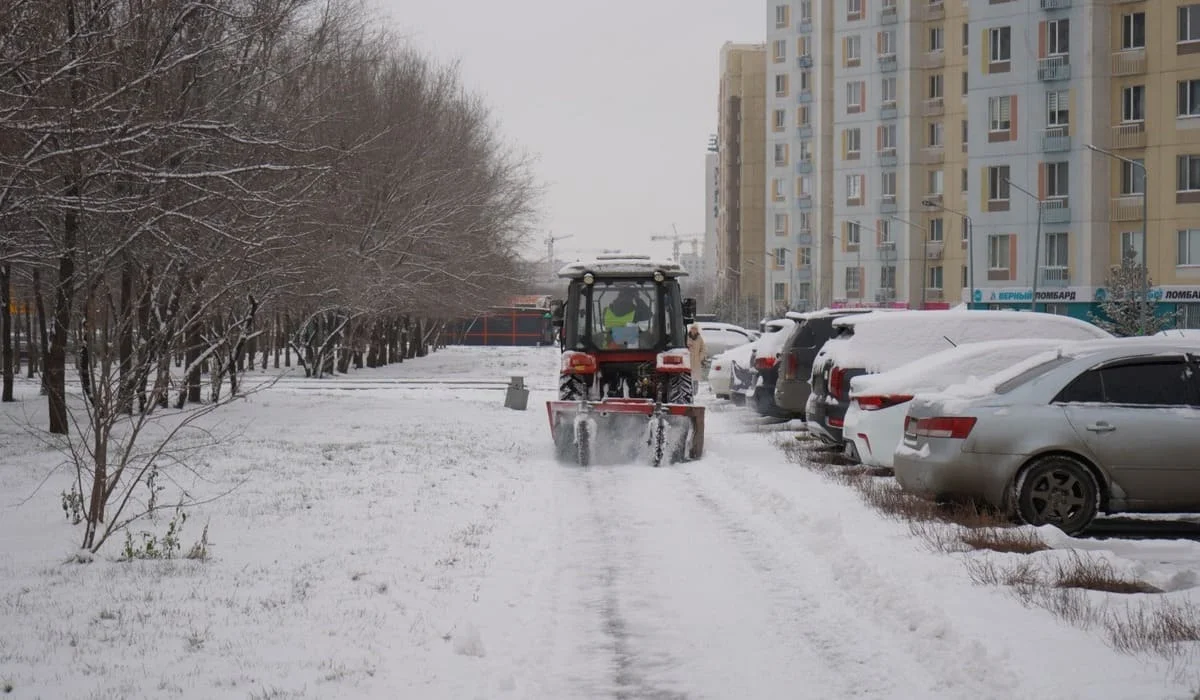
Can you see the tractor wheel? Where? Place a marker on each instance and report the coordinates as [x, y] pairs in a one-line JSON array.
[[572, 387], [680, 389]]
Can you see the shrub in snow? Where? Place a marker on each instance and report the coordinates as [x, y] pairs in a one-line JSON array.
[[1124, 311]]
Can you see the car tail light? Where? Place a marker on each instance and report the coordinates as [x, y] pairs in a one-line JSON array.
[[672, 359], [716, 366], [878, 402], [578, 363], [836, 377], [791, 368], [953, 428], [764, 362]]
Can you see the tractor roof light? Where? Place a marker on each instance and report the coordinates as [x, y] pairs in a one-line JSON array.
[[659, 276], [588, 278]]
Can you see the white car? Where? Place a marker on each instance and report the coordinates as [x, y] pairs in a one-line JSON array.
[[719, 337], [720, 372], [874, 423]]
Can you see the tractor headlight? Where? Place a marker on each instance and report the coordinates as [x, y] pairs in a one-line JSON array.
[[588, 278], [659, 276]]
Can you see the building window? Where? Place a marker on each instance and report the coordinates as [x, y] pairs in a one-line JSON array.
[[782, 15], [780, 292], [853, 233], [935, 277], [853, 143], [937, 229], [966, 37], [887, 184], [854, 189], [853, 48], [805, 222], [936, 83], [781, 224], [888, 91], [1133, 31], [778, 119], [998, 183], [779, 50], [965, 227], [885, 229], [1189, 173], [887, 277], [1189, 315], [1056, 255], [781, 85], [1189, 247], [1189, 98], [1133, 103], [965, 81], [1057, 108], [1058, 37], [936, 182], [887, 43], [854, 9], [1057, 180], [936, 134], [965, 180], [1000, 113], [998, 254], [1133, 178], [1131, 243], [963, 277], [937, 39], [781, 154], [805, 10], [1001, 44], [777, 189], [853, 281], [780, 255], [1189, 23], [804, 186], [964, 137], [855, 90], [887, 137], [804, 257]]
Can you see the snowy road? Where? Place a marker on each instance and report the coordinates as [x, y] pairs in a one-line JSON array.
[[411, 538]]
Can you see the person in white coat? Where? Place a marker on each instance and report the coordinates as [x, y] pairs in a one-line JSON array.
[[695, 345]]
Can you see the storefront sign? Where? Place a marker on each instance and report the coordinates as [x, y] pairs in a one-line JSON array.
[[1052, 295]]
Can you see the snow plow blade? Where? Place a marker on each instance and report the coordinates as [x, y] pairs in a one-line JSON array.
[[620, 429]]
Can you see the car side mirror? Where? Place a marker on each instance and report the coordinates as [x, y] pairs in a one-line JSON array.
[[689, 311], [556, 313]]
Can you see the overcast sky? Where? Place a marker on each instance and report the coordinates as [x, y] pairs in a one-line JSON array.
[[615, 98]]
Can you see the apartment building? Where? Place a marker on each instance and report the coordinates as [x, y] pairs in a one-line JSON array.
[[712, 208], [741, 148], [799, 127]]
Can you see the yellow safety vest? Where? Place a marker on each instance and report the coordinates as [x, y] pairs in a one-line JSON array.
[[612, 320]]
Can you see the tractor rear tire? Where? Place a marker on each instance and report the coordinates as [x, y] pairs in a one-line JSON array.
[[680, 389], [573, 387]]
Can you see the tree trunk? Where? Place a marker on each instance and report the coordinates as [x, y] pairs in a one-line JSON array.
[[125, 321], [279, 340], [195, 343], [146, 359], [43, 335], [286, 329], [64, 292], [30, 341], [6, 326]]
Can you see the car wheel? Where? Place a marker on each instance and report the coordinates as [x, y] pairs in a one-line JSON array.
[[1057, 490]]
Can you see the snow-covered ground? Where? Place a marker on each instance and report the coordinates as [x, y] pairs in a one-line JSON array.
[[396, 534]]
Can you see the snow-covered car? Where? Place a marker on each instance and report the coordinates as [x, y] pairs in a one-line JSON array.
[[1177, 333], [745, 376], [765, 361], [873, 343], [720, 372], [874, 423], [719, 337]]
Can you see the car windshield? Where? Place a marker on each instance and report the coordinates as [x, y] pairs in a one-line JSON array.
[[623, 315]]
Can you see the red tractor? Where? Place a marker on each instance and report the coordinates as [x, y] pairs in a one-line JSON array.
[[625, 384]]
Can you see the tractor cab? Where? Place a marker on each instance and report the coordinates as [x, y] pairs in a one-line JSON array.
[[622, 311]]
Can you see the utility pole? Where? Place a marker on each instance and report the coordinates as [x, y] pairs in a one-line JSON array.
[[1037, 244], [1144, 282]]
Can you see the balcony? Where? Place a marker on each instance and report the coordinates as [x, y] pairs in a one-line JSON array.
[[887, 63], [934, 59], [804, 237], [804, 131], [888, 15], [1054, 68], [804, 61], [1127, 207], [885, 294], [804, 273], [1056, 211], [888, 111], [887, 204], [933, 155], [934, 249], [1056, 276], [932, 200], [1055, 139], [804, 201], [1129, 135], [804, 166], [804, 26], [1056, 4], [933, 107], [887, 157], [1129, 62], [934, 294], [804, 97], [934, 10], [885, 246]]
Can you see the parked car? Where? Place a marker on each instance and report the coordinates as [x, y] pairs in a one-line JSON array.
[[872, 343], [719, 337], [1102, 426], [874, 423], [765, 360], [720, 370], [813, 329], [744, 375]]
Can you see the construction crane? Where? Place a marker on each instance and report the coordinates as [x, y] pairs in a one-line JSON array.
[[677, 240], [549, 241]]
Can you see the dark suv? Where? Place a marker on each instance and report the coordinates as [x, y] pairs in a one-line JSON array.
[[813, 329]]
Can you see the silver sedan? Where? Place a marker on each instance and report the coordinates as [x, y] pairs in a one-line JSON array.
[[1095, 426]]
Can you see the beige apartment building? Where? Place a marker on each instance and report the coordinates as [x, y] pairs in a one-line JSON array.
[[741, 149]]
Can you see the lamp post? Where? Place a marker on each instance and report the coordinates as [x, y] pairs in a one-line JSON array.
[[1037, 243], [1144, 282], [970, 246], [924, 255]]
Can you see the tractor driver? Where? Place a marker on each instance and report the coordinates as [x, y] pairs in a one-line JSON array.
[[628, 310]]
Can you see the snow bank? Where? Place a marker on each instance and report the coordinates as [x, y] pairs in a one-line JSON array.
[[770, 344]]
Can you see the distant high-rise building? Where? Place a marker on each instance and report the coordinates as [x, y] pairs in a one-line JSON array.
[[712, 206]]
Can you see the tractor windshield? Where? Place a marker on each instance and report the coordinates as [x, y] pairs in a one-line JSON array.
[[626, 315]]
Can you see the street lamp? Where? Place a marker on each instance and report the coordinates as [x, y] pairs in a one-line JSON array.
[[1037, 243], [970, 246], [924, 256], [1144, 283]]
